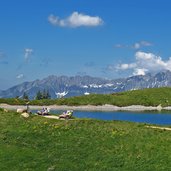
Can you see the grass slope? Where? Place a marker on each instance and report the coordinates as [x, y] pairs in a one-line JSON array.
[[146, 97], [38, 144]]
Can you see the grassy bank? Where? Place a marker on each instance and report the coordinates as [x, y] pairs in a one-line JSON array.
[[146, 97], [38, 144]]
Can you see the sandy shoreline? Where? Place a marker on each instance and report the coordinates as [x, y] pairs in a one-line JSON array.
[[90, 107]]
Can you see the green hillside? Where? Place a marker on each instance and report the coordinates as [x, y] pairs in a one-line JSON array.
[[39, 143], [146, 97]]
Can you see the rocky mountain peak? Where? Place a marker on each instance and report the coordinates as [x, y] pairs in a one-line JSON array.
[[79, 85]]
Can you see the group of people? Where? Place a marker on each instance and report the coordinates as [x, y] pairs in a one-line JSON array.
[[67, 114], [44, 111]]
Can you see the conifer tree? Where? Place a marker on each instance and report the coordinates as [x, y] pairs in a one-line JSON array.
[[38, 95], [25, 96]]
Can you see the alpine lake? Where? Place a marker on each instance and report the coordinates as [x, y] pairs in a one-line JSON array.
[[149, 117]]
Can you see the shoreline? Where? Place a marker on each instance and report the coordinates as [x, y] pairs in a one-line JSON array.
[[90, 107]]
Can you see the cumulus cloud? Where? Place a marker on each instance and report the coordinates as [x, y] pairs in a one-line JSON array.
[[151, 62], [140, 71], [20, 76], [27, 53], [146, 62], [137, 45], [75, 20]]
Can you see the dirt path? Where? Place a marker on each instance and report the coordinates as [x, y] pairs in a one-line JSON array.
[[52, 117], [161, 128], [89, 107]]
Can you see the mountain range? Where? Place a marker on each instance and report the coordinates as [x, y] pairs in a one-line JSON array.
[[59, 86]]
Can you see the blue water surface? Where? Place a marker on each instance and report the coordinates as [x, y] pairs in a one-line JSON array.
[[160, 118]]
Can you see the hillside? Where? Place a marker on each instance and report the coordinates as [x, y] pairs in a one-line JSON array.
[[37, 143], [146, 97]]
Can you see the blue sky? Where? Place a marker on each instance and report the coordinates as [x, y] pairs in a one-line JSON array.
[[106, 38]]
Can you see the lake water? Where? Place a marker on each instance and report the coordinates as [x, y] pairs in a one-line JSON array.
[[161, 118]]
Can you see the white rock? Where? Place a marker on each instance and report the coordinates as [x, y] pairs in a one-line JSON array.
[[5, 110], [21, 110], [25, 115]]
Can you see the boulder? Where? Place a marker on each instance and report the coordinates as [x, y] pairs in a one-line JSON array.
[[159, 107], [21, 110], [25, 115], [5, 110]]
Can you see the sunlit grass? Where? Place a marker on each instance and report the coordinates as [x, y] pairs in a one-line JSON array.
[[146, 97], [38, 143]]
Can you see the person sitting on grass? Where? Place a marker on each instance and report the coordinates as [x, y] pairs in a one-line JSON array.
[[66, 115], [39, 112], [44, 111]]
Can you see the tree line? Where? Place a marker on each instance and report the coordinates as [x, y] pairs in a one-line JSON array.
[[39, 95]]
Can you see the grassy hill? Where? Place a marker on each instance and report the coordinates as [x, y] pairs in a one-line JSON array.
[[38, 144], [146, 97]]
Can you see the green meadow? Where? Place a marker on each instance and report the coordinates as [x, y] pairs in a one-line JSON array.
[[146, 97], [42, 144]]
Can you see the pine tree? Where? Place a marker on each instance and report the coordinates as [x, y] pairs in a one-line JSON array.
[[42, 95], [25, 96], [45, 94], [48, 95], [38, 95]]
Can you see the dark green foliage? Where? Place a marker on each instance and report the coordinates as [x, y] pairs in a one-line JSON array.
[[42, 95], [43, 144], [45, 94], [25, 96], [38, 96]]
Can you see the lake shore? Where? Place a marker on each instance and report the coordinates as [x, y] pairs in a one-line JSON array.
[[90, 107]]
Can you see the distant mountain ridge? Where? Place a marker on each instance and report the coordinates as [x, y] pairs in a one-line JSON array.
[[80, 85]]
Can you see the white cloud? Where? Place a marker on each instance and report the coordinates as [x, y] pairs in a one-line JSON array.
[[75, 20], [137, 45], [20, 76], [126, 66], [118, 46], [27, 53], [151, 62], [144, 56], [139, 71], [141, 44], [146, 62]]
